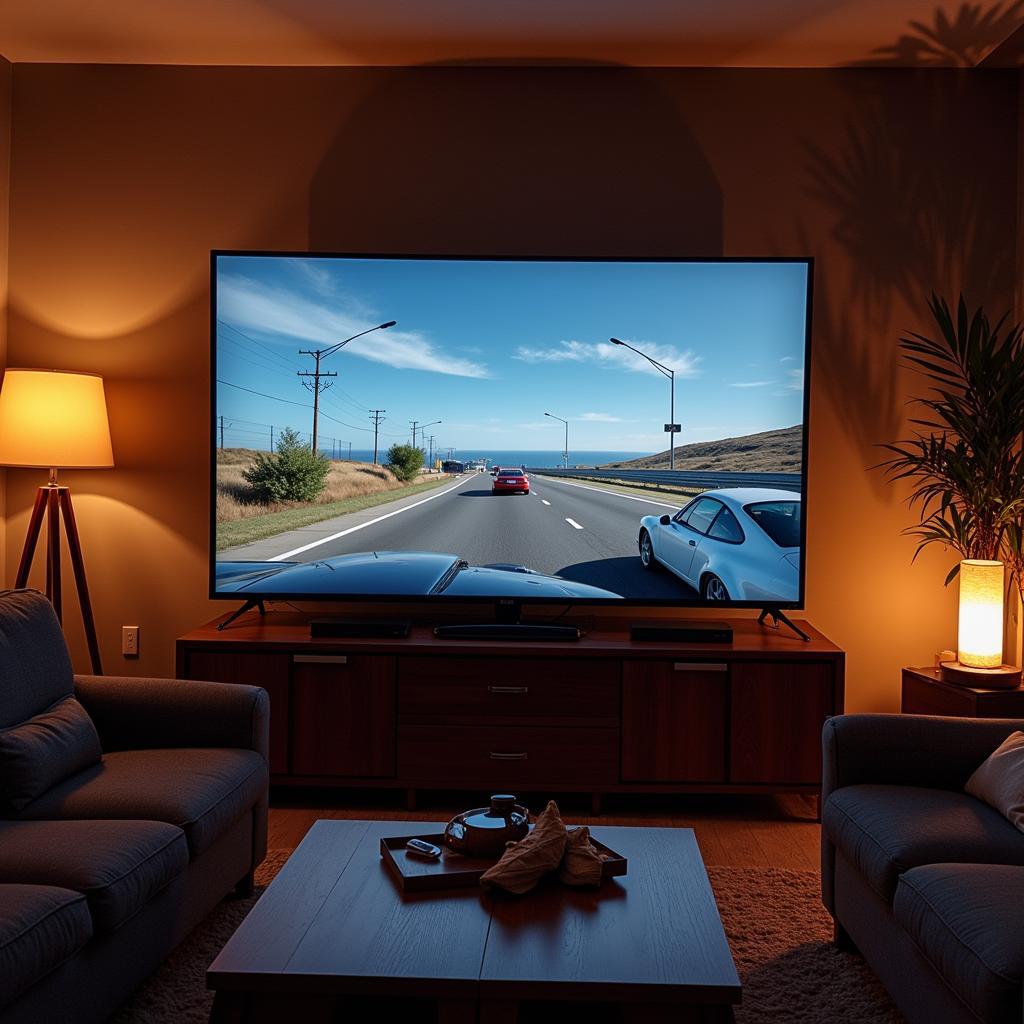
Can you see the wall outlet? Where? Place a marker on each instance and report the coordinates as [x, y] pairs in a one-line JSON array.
[[130, 641]]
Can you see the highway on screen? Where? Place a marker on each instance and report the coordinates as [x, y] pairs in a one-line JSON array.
[[577, 531]]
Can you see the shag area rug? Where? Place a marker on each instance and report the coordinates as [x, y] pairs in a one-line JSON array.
[[779, 933]]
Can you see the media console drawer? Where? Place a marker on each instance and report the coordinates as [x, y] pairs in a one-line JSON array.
[[508, 757], [587, 688]]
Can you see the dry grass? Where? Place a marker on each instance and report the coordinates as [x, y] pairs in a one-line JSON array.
[[344, 481]]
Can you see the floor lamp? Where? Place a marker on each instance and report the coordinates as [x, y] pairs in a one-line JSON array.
[[54, 419]]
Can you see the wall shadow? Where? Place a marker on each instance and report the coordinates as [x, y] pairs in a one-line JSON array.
[[959, 40], [509, 161]]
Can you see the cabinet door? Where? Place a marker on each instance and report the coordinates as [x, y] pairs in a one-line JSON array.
[[673, 721], [267, 670], [777, 712], [343, 715]]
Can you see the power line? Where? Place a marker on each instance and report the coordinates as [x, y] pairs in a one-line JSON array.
[[277, 355]]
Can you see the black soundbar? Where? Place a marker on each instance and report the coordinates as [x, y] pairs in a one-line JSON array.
[[379, 629], [507, 631], [689, 631]]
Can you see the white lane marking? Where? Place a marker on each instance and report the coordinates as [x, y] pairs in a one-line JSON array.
[[616, 494], [574, 524], [544, 501], [363, 526]]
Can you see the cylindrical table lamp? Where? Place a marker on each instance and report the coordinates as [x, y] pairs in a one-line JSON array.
[[980, 630]]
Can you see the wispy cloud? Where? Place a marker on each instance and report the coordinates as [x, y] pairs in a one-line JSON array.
[[600, 417], [312, 322], [787, 359], [752, 383], [795, 379], [613, 357]]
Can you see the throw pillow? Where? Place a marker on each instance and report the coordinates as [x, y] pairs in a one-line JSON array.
[[999, 781], [46, 749]]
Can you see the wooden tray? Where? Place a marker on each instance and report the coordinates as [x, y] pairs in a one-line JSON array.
[[453, 870]]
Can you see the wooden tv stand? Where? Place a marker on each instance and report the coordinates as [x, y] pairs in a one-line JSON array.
[[601, 715]]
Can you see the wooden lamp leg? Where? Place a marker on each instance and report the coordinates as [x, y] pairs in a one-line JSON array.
[[78, 565], [53, 551], [35, 524]]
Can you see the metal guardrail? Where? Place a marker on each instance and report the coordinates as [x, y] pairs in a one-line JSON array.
[[679, 477]]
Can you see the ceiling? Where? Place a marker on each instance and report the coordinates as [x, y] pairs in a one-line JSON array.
[[669, 33]]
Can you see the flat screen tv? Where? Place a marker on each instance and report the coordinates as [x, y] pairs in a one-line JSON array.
[[571, 431]]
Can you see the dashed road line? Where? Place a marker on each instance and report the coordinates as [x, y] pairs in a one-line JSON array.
[[574, 524], [544, 501], [617, 494]]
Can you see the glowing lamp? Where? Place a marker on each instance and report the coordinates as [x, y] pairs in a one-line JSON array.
[[980, 629], [980, 639], [53, 419]]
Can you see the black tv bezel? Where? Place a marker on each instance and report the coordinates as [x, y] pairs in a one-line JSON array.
[[498, 599]]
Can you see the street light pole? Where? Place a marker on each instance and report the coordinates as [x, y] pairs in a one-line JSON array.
[[317, 373], [671, 374], [565, 450]]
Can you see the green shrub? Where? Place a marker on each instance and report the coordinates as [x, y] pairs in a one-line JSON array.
[[294, 473], [404, 461]]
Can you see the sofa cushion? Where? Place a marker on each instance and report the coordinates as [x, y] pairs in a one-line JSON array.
[[886, 830], [202, 790], [117, 865], [966, 919], [45, 749], [999, 780], [35, 670], [40, 928]]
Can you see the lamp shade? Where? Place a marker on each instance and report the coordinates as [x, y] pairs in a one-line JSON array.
[[54, 418], [980, 634]]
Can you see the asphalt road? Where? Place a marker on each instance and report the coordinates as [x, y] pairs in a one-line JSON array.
[[577, 531]]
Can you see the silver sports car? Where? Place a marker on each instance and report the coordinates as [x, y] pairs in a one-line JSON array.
[[738, 543]]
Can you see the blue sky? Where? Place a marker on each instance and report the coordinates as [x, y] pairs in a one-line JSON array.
[[487, 347]]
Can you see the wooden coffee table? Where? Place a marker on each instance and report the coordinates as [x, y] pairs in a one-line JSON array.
[[333, 928]]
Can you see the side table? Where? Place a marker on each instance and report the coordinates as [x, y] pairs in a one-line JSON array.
[[925, 693]]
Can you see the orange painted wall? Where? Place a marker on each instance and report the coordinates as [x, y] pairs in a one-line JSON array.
[[124, 177], [5, 180]]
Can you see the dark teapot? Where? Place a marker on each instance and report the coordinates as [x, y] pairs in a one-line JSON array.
[[484, 831]]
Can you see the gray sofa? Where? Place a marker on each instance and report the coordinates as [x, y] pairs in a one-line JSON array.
[[924, 880], [107, 869]]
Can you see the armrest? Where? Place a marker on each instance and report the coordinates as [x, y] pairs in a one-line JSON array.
[[908, 750], [132, 713]]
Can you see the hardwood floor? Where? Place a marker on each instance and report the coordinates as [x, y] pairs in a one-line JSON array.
[[739, 831]]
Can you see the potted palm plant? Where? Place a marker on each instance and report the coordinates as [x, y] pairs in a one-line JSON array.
[[965, 459]]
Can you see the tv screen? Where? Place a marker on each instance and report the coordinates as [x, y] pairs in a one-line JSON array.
[[572, 431]]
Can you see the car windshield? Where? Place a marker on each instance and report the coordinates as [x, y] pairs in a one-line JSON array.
[[779, 519], [510, 472]]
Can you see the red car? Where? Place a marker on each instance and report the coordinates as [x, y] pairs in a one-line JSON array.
[[511, 481]]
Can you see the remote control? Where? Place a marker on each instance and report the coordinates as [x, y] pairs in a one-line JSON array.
[[423, 849]]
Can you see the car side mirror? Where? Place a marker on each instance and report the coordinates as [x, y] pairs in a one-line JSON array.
[[665, 520]]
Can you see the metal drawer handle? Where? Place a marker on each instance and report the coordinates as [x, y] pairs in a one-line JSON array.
[[507, 757], [508, 689], [700, 666], [320, 659]]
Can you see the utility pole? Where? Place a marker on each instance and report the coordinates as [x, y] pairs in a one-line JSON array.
[[431, 451], [377, 415], [316, 387], [271, 436], [350, 451], [222, 433], [413, 424]]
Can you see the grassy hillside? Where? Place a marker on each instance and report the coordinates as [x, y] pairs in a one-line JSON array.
[[772, 451]]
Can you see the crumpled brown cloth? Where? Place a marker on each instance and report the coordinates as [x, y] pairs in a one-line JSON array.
[[581, 863], [525, 862]]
